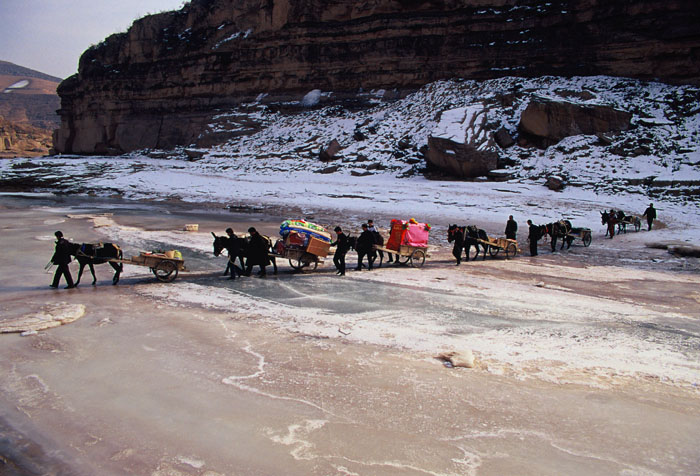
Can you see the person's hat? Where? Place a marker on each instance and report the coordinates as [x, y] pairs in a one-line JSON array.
[[364, 225], [252, 230], [337, 229], [229, 230], [58, 234]]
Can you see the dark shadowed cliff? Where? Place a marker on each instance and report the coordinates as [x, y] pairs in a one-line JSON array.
[[158, 84]]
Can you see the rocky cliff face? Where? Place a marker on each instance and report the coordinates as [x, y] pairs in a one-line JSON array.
[[158, 84], [28, 104]]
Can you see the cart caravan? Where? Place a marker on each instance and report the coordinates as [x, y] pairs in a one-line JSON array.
[[165, 265], [303, 243], [408, 241]]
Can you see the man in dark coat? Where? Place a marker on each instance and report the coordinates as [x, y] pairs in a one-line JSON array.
[[511, 228], [365, 247], [61, 258], [650, 213], [258, 249], [612, 221], [378, 240], [341, 249], [234, 252], [532, 237]]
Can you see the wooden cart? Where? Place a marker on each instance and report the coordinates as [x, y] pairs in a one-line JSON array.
[[413, 255], [299, 259], [302, 258], [583, 234], [496, 245], [164, 266]]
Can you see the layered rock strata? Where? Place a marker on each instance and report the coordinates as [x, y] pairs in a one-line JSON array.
[[157, 85]]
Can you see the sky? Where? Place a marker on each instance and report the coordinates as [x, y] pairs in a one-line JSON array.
[[50, 35]]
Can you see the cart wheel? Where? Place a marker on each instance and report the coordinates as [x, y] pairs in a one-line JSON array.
[[418, 258], [637, 225], [511, 250], [587, 238], [165, 271], [306, 262], [297, 264], [403, 259], [493, 251]]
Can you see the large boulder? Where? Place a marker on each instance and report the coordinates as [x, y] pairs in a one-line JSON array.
[[462, 144], [330, 152], [545, 121]]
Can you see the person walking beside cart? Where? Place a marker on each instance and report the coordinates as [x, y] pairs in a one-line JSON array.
[[511, 228], [650, 213], [257, 253], [378, 240], [612, 221], [234, 252], [341, 249], [61, 258], [532, 237], [365, 247]]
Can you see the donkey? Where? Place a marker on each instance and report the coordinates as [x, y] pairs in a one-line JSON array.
[[560, 229], [97, 253], [236, 248], [464, 238], [610, 220], [473, 235]]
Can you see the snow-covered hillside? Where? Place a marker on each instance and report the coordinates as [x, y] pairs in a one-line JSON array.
[[659, 155]]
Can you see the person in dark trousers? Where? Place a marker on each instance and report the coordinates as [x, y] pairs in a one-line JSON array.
[[365, 247], [612, 221], [511, 228], [257, 253], [341, 249], [61, 258], [650, 213], [234, 252], [532, 237], [378, 239]]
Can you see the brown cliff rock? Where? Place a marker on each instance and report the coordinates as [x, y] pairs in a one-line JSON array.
[[28, 104], [546, 122], [462, 144], [157, 85]]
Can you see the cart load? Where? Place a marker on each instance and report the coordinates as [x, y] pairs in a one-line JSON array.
[[307, 236], [165, 265], [408, 233], [303, 243], [408, 240]]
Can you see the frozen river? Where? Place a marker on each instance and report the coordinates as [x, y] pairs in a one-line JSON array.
[[581, 367]]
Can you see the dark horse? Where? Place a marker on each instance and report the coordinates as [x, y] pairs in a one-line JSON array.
[[237, 246], [97, 253], [559, 229], [464, 238], [610, 220]]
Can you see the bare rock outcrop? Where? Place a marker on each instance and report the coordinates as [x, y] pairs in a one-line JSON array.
[[546, 122], [158, 84], [462, 144], [28, 104]]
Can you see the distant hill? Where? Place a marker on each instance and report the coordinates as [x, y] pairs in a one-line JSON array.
[[28, 104], [11, 69]]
